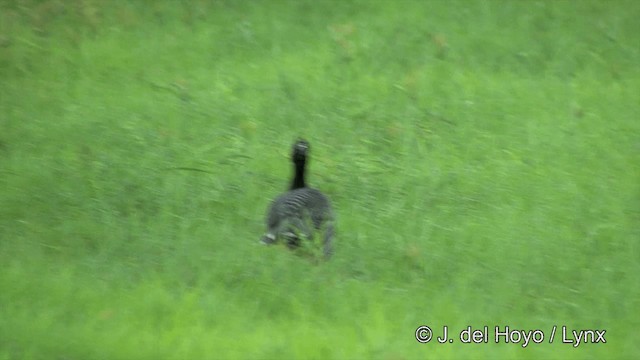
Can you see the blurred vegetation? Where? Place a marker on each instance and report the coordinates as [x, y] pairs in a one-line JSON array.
[[483, 158]]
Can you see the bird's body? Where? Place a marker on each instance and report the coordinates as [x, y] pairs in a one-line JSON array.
[[301, 211]]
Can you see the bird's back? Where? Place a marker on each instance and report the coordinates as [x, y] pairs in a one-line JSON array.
[[299, 203]]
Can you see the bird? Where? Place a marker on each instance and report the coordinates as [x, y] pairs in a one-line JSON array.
[[301, 211]]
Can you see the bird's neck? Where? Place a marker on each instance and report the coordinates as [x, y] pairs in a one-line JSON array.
[[298, 178]]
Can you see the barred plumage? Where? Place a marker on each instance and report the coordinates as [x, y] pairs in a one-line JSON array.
[[300, 211]]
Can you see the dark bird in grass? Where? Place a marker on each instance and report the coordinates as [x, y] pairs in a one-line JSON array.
[[302, 211]]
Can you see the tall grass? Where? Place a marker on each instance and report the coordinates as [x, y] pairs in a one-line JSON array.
[[482, 157]]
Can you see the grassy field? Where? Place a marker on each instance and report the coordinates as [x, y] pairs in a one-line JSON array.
[[483, 158]]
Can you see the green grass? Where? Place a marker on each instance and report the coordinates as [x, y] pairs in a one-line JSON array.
[[483, 158]]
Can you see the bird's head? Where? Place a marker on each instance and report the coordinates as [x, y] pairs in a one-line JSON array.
[[300, 151]]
